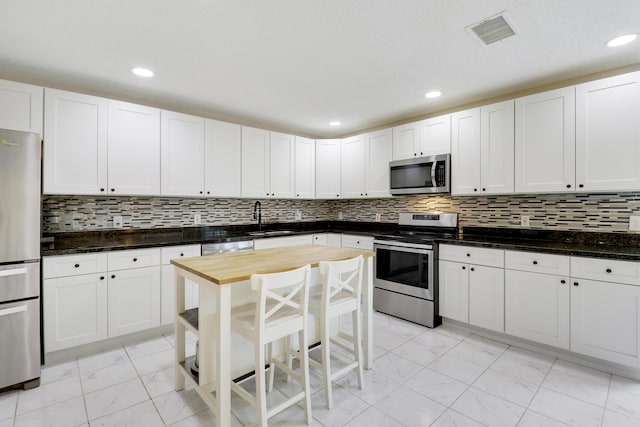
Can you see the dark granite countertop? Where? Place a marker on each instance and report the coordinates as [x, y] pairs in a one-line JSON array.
[[591, 244]]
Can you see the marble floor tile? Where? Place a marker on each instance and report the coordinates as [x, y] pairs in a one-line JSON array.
[[389, 340], [533, 419], [437, 343], [440, 388], [346, 407], [582, 383], [48, 394], [6, 422], [112, 399], [148, 347], [50, 374], [625, 384], [155, 362], [507, 387], [614, 419], [452, 331], [487, 408], [416, 352], [175, 406], [410, 408], [292, 417], [471, 352], [160, 382], [396, 367], [141, 414], [459, 369], [102, 360], [524, 364], [624, 402], [8, 403], [108, 376], [63, 414], [566, 409], [452, 418], [371, 417], [376, 385], [405, 329]]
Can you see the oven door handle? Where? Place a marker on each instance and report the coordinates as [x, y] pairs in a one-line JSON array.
[[404, 249]]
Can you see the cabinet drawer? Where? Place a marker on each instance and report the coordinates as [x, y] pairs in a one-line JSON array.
[[472, 255], [357, 242], [121, 260], [73, 265], [537, 263], [183, 251], [607, 270]]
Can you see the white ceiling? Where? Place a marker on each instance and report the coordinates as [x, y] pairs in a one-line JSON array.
[[295, 65]]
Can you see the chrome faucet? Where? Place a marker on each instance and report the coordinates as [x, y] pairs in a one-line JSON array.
[[257, 214]]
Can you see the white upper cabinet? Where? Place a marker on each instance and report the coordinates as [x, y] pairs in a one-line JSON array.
[[608, 134], [352, 151], [75, 143], [465, 152], [423, 138], [267, 163], [223, 160], [182, 155], [133, 149], [545, 142], [379, 148], [20, 107], [305, 168], [435, 135], [328, 169], [496, 147], [281, 165]]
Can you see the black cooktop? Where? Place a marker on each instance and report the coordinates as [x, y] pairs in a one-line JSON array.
[[423, 235]]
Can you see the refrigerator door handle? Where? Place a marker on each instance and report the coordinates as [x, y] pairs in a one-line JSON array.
[[13, 310], [13, 272]]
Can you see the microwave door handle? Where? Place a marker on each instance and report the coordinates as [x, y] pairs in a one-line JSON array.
[[433, 174]]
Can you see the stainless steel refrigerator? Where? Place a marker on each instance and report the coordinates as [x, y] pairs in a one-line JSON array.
[[19, 259]]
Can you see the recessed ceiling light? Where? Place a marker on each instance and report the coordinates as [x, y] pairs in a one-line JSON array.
[[622, 40], [335, 123], [433, 94], [142, 72]]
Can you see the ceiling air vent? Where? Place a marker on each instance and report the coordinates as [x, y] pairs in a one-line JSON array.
[[492, 30]]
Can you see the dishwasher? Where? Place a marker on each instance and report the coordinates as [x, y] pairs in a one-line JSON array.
[[221, 248]]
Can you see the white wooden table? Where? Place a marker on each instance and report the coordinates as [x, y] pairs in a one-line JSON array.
[[215, 276]]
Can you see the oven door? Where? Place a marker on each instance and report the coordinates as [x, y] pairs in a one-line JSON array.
[[407, 270]]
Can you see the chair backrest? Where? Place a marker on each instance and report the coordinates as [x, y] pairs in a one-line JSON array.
[[341, 280], [281, 295]]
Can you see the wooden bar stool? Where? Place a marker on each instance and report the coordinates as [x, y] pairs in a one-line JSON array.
[[280, 310], [339, 294]]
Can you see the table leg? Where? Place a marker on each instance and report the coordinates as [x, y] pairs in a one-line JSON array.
[[368, 313], [179, 329], [222, 336]]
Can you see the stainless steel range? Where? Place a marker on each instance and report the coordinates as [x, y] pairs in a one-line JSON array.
[[405, 269]]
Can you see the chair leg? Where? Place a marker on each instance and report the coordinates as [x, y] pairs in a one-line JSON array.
[[288, 357], [357, 345], [326, 361], [272, 367], [261, 395], [304, 374]]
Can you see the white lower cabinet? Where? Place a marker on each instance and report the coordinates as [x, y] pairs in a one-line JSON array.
[[167, 293], [278, 242], [355, 241], [328, 239], [486, 297], [454, 290]]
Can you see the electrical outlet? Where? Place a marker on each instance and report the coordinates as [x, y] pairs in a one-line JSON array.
[[378, 217], [634, 223], [197, 218], [298, 215], [117, 221], [340, 216], [524, 220]]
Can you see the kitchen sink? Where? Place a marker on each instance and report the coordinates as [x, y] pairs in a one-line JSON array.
[[271, 233]]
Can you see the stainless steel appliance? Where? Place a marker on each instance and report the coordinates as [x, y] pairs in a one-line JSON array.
[[19, 259], [421, 175], [405, 269]]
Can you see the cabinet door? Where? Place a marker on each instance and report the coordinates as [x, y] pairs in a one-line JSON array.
[[255, 163], [496, 147], [355, 241], [465, 152], [305, 168], [281, 165], [405, 141], [134, 300], [605, 321], [75, 143], [378, 153], [168, 298], [20, 107], [320, 239], [435, 135], [537, 307], [607, 134], [279, 242], [182, 154], [74, 310], [486, 297], [453, 287], [133, 149], [328, 169], [223, 160], [352, 152], [545, 142]]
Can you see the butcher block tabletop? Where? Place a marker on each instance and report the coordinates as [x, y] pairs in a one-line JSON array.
[[234, 267]]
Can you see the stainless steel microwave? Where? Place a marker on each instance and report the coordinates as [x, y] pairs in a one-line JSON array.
[[421, 175]]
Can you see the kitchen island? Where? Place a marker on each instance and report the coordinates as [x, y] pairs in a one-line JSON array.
[[223, 281]]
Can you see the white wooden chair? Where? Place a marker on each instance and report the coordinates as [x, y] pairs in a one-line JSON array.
[[340, 294], [281, 310]]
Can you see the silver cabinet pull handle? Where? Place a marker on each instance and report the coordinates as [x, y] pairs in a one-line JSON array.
[[13, 310], [13, 272]]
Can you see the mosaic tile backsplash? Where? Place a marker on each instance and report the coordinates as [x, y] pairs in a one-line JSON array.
[[588, 212]]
